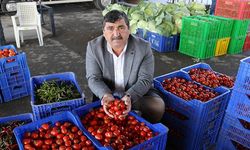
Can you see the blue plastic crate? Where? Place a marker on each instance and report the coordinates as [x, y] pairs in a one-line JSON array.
[[226, 139], [141, 33], [18, 61], [162, 43], [233, 125], [205, 110], [62, 117], [242, 83], [202, 66], [201, 137], [239, 105], [44, 110], [20, 117], [156, 143], [16, 91], [14, 77]]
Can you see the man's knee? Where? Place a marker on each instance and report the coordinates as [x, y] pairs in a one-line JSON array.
[[153, 108]]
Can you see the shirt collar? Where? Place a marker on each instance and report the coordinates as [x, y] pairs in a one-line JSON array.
[[111, 51]]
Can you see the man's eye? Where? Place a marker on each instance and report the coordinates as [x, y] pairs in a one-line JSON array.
[[122, 28], [110, 28]]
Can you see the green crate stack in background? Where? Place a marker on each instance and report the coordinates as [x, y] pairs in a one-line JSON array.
[[199, 36], [226, 26], [224, 34], [238, 36]]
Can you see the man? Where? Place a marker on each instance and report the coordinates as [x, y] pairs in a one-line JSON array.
[[118, 62]]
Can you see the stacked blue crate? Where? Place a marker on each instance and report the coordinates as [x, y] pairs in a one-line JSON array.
[[198, 123], [14, 76], [235, 132]]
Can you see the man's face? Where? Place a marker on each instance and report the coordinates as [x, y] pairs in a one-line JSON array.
[[116, 34]]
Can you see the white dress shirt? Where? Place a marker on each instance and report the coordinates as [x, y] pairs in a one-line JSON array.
[[118, 69]]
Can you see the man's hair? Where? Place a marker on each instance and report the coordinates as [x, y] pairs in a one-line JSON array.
[[115, 15]]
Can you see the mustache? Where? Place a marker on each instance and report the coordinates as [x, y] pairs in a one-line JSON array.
[[117, 38]]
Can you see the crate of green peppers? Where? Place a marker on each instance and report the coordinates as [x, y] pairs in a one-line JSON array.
[[54, 93]]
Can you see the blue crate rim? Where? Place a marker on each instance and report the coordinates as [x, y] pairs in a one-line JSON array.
[[64, 101], [8, 46], [24, 116]]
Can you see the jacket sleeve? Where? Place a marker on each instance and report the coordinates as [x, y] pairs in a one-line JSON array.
[[94, 74], [145, 76]]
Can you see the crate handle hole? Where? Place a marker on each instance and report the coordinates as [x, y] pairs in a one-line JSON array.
[[59, 109]]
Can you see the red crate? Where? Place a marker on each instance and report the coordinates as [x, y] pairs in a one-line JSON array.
[[237, 9], [246, 46]]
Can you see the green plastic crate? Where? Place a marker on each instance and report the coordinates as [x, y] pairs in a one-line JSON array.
[[226, 26], [240, 28], [199, 28], [214, 28], [236, 45], [197, 48]]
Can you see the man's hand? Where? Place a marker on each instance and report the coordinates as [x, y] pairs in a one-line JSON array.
[[105, 101], [127, 100]]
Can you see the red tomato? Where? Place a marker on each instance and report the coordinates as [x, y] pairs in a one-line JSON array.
[[45, 126], [48, 141], [98, 136], [66, 138], [74, 129], [68, 143], [79, 133], [109, 134], [64, 130], [62, 147], [26, 141], [38, 143], [83, 138], [88, 142], [60, 136], [59, 141], [58, 124], [34, 135], [76, 146]]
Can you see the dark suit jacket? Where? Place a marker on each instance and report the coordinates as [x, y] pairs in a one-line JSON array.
[[138, 67]]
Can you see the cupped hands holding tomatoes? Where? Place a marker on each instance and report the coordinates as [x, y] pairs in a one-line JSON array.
[[116, 108]]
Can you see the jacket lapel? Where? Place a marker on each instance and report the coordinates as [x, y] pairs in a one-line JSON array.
[[109, 62], [129, 58]]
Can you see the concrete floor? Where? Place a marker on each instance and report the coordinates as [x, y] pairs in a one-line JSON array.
[[76, 24]]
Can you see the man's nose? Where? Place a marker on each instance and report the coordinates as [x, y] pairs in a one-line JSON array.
[[116, 32]]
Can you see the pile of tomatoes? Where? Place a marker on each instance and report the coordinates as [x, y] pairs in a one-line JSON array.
[[188, 90], [62, 136], [210, 78], [7, 53], [117, 133]]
